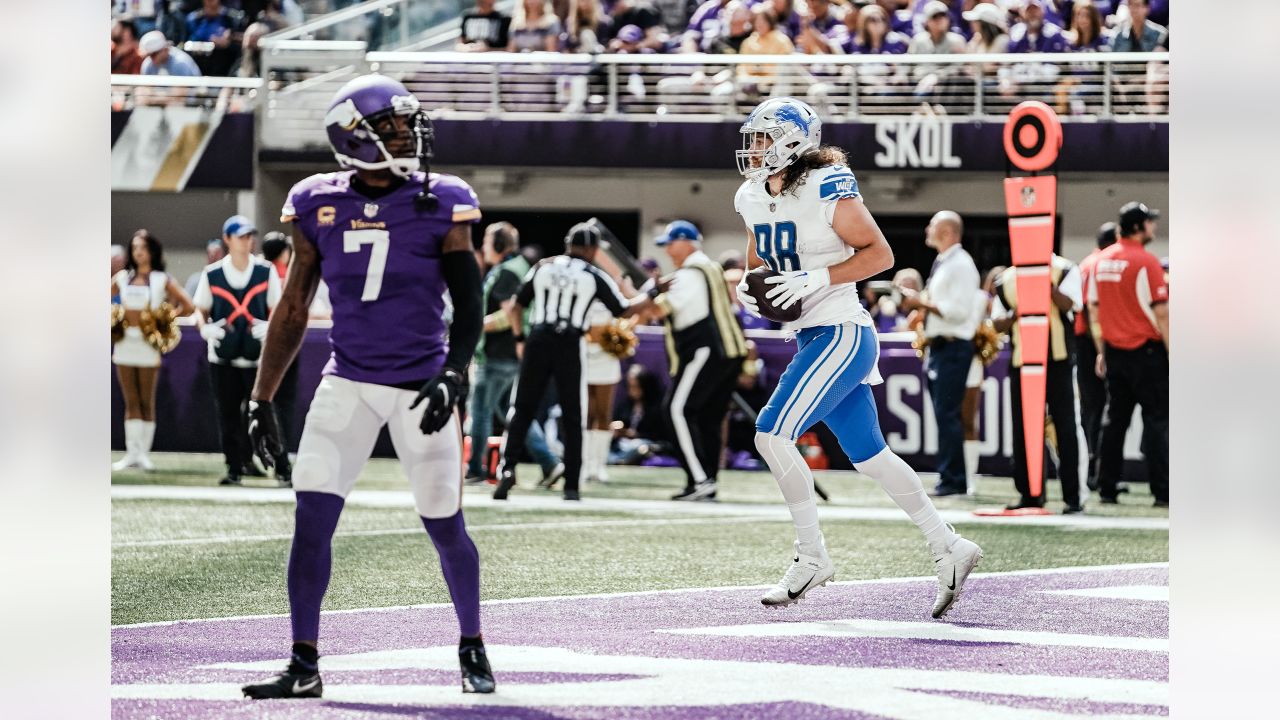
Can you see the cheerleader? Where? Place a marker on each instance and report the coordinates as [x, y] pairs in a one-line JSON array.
[[970, 406], [141, 285], [603, 373]]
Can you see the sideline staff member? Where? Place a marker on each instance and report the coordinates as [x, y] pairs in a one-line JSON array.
[[949, 325], [559, 289], [705, 348], [1129, 309]]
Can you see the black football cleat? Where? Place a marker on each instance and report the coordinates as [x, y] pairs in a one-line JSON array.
[[231, 478], [286, 685], [506, 481], [476, 675]]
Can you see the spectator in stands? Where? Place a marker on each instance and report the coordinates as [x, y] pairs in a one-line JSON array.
[[1139, 33], [1035, 34], [766, 39], [587, 27], [901, 19], [125, 59], [162, 59], [1087, 33], [822, 31], [643, 16], [484, 28], [955, 10], [534, 27], [729, 42], [790, 19], [935, 39], [277, 249], [278, 15], [705, 25], [249, 64], [989, 24], [222, 26], [651, 267], [873, 35], [214, 251]]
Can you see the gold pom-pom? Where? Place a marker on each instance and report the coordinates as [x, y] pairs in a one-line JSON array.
[[160, 328], [987, 341], [619, 339], [118, 323]]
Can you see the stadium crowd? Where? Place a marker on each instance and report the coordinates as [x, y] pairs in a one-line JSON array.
[[220, 37]]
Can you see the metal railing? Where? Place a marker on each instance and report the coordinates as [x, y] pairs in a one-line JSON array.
[[228, 93], [380, 24], [713, 88]]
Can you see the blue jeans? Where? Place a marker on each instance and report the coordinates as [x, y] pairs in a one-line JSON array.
[[948, 367], [492, 394]]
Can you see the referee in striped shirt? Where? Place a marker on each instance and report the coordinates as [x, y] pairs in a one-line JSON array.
[[559, 290]]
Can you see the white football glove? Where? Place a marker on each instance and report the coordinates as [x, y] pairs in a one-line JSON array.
[[212, 334], [745, 297], [796, 284], [258, 329]]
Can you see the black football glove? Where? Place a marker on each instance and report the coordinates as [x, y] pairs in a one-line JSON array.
[[264, 432], [442, 393]]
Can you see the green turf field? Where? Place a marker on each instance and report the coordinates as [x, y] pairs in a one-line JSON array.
[[182, 559]]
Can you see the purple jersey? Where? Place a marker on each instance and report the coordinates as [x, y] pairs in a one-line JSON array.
[[1050, 40], [381, 260]]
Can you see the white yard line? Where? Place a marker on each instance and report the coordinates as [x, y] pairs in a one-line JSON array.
[[473, 528], [597, 596], [404, 499]]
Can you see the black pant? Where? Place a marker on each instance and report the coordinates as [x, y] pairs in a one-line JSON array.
[[1136, 377], [695, 406], [548, 356], [1060, 396], [1093, 400], [948, 368], [231, 388]]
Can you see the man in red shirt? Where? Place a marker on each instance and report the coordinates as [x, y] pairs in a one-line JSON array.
[[1093, 391], [1129, 311]]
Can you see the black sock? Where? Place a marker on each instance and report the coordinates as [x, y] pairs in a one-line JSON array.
[[468, 642], [305, 657]]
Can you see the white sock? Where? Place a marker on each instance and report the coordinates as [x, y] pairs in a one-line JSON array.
[[972, 452], [148, 436], [795, 479], [605, 439], [132, 435], [588, 454], [903, 485]]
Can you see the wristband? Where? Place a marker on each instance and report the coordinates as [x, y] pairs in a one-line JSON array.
[[517, 338]]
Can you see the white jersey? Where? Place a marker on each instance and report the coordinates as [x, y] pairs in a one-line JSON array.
[[793, 232]]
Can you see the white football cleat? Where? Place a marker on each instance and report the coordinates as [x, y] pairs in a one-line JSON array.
[[806, 573], [953, 567]]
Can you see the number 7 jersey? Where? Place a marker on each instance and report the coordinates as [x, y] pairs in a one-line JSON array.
[[793, 232], [380, 258]]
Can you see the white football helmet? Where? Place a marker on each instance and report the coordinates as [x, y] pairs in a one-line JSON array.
[[777, 132]]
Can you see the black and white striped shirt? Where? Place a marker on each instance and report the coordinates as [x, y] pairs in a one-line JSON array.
[[560, 289]]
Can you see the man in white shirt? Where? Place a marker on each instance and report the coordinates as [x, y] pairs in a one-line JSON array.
[[705, 348], [949, 325], [235, 298]]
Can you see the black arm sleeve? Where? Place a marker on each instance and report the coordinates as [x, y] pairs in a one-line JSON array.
[[607, 293], [462, 276], [525, 296]]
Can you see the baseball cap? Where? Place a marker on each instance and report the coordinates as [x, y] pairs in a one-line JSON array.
[[631, 33], [238, 225], [1106, 234], [583, 235], [935, 7], [1134, 214], [1028, 3], [678, 230], [988, 13], [649, 264], [152, 43]]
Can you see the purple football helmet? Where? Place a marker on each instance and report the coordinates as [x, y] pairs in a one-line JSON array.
[[363, 131]]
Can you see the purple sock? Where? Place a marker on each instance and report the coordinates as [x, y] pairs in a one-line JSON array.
[[310, 560], [461, 565]]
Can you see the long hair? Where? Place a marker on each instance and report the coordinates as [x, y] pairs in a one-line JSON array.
[[795, 173], [1095, 23], [865, 14], [520, 20], [153, 249], [578, 19], [989, 33]]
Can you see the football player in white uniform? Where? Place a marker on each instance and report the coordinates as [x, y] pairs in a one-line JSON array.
[[805, 219]]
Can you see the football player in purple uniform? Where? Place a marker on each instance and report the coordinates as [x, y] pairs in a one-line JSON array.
[[389, 238]]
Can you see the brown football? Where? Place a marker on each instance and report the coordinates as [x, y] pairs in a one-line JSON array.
[[757, 287]]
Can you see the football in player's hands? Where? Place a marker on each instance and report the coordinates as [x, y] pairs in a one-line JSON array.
[[757, 288]]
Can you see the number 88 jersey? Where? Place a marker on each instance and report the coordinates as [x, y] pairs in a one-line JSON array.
[[793, 232]]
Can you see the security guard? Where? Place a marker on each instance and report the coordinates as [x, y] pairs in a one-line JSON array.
[[1129, 311], [1065, 294], [559, 290], [705, 348]]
